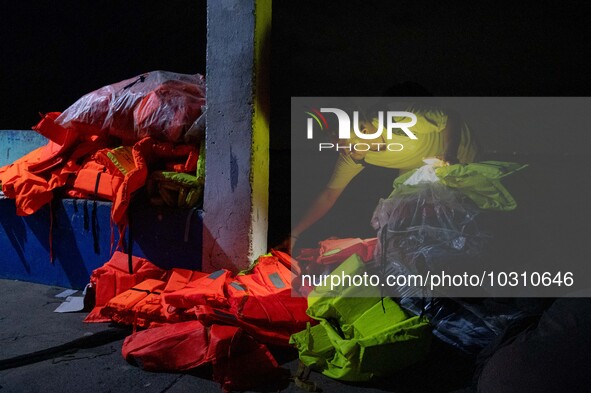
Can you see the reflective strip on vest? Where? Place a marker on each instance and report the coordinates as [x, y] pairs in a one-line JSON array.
[[276, 280], [237, 286], [216, 274]]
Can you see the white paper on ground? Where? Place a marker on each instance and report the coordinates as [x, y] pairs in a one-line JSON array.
[[66, 293], [72, 304]]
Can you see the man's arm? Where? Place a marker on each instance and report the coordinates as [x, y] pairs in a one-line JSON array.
[[321, 205], [345, 170]]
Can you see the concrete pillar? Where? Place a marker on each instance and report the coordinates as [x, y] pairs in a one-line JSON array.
[[237, 133]]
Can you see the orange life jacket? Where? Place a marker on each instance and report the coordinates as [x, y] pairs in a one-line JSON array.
[[29, 191], [265, 296], [207, 290], [114, 278], [144, 152], [104, 172], [143, 305], [31, 179], [25, 180], [179, 279], [121, 308], [116, 173], [260, 302], [338, 250], [61, 141], [288, 261], [149, 311]]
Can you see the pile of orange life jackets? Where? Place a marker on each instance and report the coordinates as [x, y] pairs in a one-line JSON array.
[[193, 318]]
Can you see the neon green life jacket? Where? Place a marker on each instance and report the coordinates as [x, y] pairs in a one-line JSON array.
[[360, 335], [177, 189], [479, 181]]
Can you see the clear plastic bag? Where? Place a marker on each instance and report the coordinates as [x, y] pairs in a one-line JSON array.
[[427, 226], [160, 104], [466, 324]]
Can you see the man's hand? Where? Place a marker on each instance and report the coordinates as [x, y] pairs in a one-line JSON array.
[[450, 158], [287, 245], [355, 155]]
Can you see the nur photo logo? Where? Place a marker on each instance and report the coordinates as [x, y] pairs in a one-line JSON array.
[[363, 135]]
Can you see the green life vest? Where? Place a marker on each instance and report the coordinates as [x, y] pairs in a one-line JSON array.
[[359, 335], [179, 189], [480, 181]]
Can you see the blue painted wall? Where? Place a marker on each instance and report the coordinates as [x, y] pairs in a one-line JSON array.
[[16, 143]]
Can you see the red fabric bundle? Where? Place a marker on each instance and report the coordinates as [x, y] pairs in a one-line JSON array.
[[178, 346], [239, 362]]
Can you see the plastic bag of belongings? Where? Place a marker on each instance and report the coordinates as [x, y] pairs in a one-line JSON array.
[[429, 223], [160, 104], [360, 335]]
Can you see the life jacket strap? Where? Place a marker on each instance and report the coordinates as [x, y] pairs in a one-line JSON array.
[[141, 290], [97, 183], [302, 379]]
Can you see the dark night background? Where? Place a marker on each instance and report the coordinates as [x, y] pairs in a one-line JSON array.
[[54, 52]]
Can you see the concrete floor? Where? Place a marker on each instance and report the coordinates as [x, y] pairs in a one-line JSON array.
[[28, 324]]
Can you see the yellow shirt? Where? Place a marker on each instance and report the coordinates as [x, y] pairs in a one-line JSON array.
[[429, 143]]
